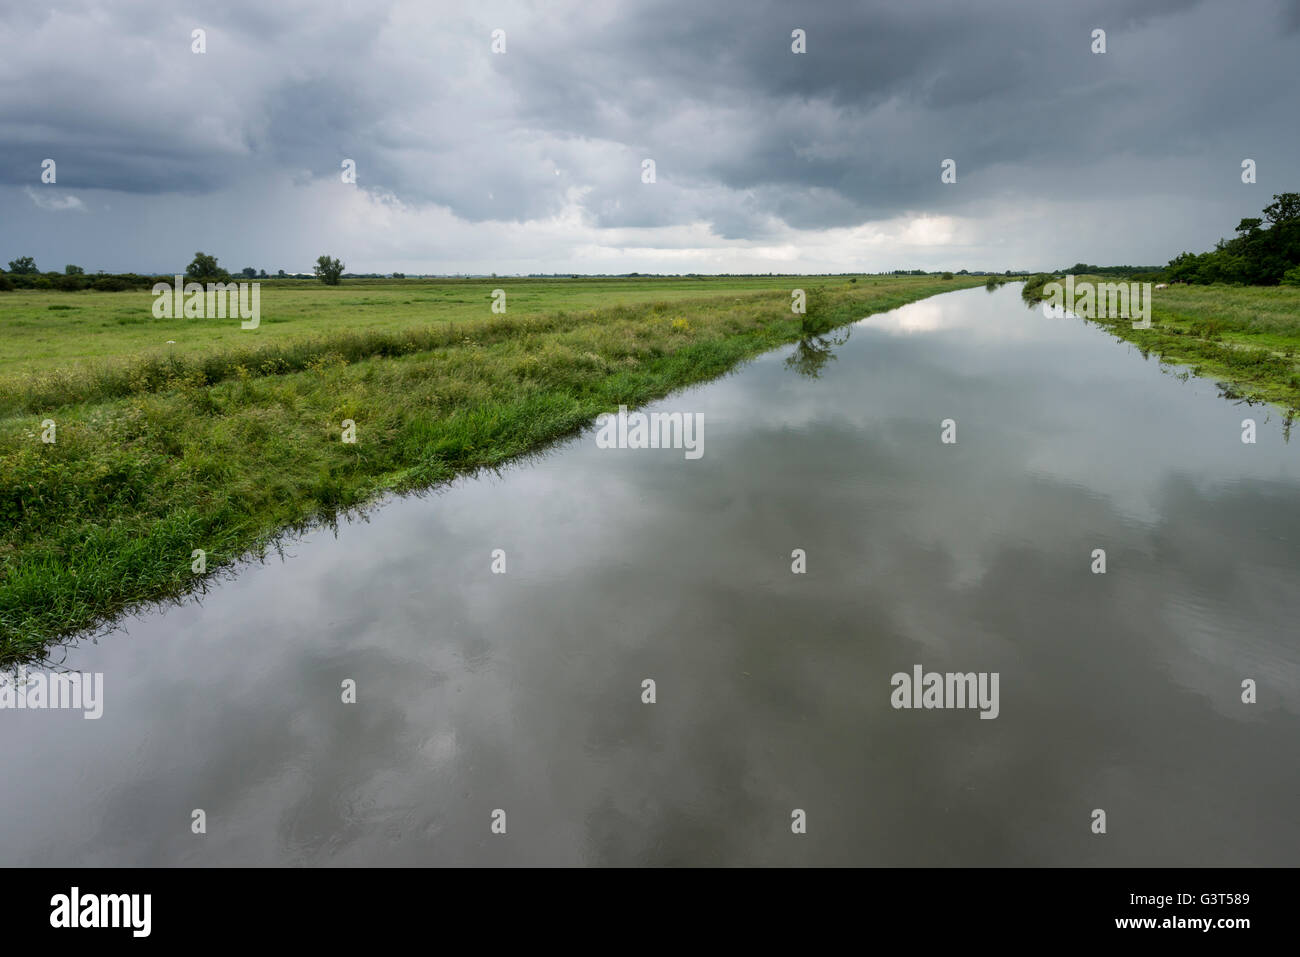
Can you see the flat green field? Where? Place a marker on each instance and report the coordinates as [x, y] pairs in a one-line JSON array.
[[47, 330], [229, 437]]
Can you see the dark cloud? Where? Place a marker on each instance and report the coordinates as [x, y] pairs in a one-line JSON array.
[[746, 135]]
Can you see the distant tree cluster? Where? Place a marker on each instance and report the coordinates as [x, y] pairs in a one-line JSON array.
[[1083, 269], [1258, 255], [203, 268], [24, 274], [948, 274]]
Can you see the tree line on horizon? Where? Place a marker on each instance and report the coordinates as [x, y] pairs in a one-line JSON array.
[[24, 274]]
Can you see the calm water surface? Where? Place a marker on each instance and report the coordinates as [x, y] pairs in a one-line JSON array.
[[522, 691]]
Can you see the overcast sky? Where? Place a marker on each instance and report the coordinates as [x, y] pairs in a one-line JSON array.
[[531, 160]]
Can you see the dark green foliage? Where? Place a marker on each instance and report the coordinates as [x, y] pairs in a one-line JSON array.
[[1083, 269], [328, 270], [204, 269], [1256, 256]]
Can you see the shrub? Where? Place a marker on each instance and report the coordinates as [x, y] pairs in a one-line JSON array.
[[109, 284]]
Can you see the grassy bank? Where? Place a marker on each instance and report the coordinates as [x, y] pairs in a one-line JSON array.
[[228, 437], [1246, 337]]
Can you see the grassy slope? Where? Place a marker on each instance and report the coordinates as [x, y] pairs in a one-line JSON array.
[[236, 436], [1248, 337]]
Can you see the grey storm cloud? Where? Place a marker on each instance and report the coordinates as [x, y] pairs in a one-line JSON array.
[[746, 135]]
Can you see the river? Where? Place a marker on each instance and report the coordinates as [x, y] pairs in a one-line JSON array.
[[772, 738]]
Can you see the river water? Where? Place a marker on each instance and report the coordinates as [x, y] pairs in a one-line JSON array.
[[773, 690]]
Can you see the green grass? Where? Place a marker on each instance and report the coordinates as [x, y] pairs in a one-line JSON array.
[[1247, 337], [230, 437], [65, 331]]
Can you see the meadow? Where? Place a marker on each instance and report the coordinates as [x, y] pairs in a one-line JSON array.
[[174, 436]]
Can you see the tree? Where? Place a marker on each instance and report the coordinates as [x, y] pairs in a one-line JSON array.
[[261, 274], [1284, 208], [1258, 255], [248, 272], [328, 270], [23, 266], [204, 268], [280, 274], [73, 271]]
